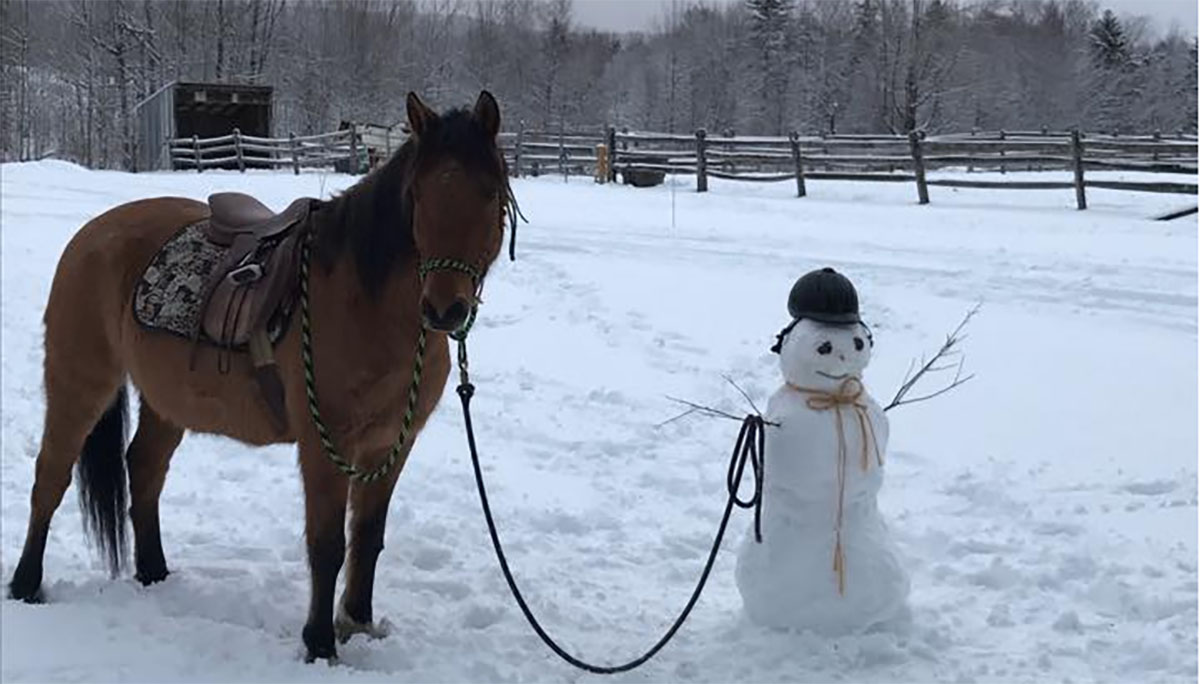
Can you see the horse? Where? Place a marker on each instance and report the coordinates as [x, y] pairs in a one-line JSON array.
[[398, 262]]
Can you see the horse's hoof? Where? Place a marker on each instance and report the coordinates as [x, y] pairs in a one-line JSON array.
[[319, 643], [148, 577], [32, 597], [345, 627], [26, 586], [329, 660]]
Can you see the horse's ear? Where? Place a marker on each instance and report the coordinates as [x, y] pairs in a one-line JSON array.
[[488, 112], [419, 115]]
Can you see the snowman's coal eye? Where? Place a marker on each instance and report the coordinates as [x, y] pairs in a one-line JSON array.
[[825, 348], [858, 343]]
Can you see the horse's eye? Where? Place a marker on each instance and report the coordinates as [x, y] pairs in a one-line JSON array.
[[858, 343], [825, 348]]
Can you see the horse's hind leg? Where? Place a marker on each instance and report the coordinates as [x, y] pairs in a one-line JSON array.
[[149, 456], [368, 507], [76, 421]]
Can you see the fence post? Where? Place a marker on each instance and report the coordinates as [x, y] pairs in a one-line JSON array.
[[971, 165], [237, 146], [196, 152], [701, 161], [801, 191], [1003, 166], [354, 167], [1077, 156], [914, 142], [601, 173], [1157, 138], [295, 153], [612, 154], [562, 151], [517, 148]]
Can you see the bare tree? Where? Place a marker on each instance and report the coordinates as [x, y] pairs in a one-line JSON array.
[[73, 70], [15, 37]]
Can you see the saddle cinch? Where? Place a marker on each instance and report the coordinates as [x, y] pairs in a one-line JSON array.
[[249, 294]]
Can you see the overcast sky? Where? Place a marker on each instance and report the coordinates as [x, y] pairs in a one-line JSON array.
[[624, 15]]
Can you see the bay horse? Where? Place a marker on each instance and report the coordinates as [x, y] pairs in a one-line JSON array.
[[441, 199]]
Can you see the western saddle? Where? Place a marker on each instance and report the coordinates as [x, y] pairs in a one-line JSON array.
[[251, 291]]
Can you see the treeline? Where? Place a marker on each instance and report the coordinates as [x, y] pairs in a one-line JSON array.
[[74, 70]]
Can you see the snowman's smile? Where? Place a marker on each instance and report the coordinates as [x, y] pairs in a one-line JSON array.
[[843, 376]]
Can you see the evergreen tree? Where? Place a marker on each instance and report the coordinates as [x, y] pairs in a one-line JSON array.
[[1186, 91], [1110, 50], [769, 28], [864, 70], [556, 46], [1115, 87]]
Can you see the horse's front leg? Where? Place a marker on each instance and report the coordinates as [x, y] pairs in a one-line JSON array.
[[325, 490], [368, 518]]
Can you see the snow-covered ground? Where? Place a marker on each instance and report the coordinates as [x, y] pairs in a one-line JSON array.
[[1047, 509]]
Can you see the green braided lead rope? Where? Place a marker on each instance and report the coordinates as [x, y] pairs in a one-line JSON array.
[[310, 385]]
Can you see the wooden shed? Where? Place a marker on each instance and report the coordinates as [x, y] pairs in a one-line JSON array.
[[184, 109]]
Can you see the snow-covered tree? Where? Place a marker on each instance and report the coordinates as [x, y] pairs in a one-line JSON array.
[[1110, 50], [1115, 78], [770, 58], [72, 71]]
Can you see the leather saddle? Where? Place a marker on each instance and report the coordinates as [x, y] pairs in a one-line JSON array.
[[254, 285]]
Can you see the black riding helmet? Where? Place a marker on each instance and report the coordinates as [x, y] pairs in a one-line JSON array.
[[825, 296]]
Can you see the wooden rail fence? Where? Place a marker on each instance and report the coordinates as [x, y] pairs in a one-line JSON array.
[[643, 158], [535, 152], [245, 151], [885, 158]]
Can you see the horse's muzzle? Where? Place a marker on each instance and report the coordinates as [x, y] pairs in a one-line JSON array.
[[448, 320]]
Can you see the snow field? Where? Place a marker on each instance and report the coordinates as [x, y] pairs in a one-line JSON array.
[[1046, 510]]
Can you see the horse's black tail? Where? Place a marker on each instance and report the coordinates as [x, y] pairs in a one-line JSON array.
[[101, 482]]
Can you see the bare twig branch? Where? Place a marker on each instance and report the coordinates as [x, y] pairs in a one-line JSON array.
[[706, 410], [743, 393], [949, 349], [711, 412], [685, 414]]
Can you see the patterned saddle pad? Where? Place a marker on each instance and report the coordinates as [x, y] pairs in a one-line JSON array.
[[168, 296]]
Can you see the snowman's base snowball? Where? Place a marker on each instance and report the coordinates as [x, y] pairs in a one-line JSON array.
[[791, 585]]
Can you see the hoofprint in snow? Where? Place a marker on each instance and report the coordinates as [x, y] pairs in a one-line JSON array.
[[1046, 511]]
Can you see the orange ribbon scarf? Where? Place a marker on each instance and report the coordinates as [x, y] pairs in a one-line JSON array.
[[848, 394]]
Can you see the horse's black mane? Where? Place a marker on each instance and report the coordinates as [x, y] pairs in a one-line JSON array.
[[374, 217]]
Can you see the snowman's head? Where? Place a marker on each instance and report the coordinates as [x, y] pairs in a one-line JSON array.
[[820, 356]]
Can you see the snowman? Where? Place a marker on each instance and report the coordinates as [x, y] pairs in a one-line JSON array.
[[826, 561]]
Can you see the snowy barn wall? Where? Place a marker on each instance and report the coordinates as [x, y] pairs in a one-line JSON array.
[[156, 125], [208, 110]]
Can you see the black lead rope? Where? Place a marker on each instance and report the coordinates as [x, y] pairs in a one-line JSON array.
[[750, 447], [513, 211]]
